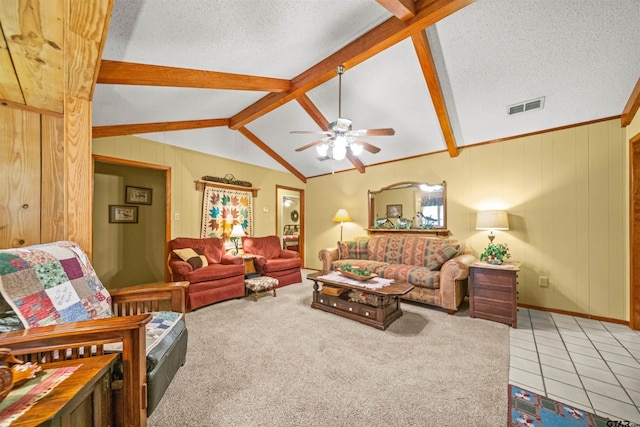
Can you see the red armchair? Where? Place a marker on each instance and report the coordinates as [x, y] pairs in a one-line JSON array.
[[272, 261], [222, 278]]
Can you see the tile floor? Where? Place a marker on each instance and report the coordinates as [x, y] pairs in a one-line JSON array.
[[586, 363]]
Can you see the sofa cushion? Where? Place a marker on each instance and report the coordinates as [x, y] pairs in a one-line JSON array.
[[52, 283], [194, 256], [214, 272], [268, 246], [415, 275], [351, 249], [212, 247], [439, 257], [362, 264], [411, 250], [279, 264]]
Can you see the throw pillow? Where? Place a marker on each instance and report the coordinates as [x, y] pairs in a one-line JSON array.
[[353, 249], [440, 257], [194, 256]]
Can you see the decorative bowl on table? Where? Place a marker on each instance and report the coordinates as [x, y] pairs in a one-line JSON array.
[[358, 274]]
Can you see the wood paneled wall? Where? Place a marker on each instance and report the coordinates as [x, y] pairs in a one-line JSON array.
[[31, 178], [565, 195]]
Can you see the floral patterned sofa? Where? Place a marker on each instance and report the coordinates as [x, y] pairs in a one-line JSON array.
[[438, 268]]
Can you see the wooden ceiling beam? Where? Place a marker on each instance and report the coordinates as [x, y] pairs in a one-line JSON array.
[[401, 9], [313, 111], [631, 108], [423, 51], [264, 147], [129, 73], [323, 123], [375, 41], [132, 129]]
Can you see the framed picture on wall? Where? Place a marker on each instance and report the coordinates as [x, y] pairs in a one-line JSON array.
[[137, 195], [123, 214], [394, 211]]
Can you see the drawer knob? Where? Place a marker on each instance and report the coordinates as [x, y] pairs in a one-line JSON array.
[[321, 300], [334, 304], [350, 309], [366, 313]]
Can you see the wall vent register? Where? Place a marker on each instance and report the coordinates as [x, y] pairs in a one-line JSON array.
[[521, 107]]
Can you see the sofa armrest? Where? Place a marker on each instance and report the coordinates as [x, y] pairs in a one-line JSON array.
[[259, 261], [231, 259], [327, 256], [179, 269], [457, 268], [286, 253], [51, 342], [147, 298]]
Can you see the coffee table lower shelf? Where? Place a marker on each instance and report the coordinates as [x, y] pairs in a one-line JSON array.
[[378, 317]]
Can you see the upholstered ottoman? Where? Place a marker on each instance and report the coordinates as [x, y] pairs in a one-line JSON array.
[[261, 284]]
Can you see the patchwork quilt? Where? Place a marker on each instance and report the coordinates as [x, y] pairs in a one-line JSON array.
[[51, 284], [156, 329]]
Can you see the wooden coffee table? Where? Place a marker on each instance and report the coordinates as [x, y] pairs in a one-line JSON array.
[[379, 316]]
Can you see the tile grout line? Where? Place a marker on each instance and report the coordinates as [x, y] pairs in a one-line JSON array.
[[607, 363], [555, 325]]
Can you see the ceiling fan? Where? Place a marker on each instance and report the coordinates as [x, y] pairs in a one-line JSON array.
[[340, 137]]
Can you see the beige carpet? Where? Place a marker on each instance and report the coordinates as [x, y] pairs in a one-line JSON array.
[[278, 362]]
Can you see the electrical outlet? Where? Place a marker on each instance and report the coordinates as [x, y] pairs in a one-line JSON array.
[[265, 209], [543, 281], [176, 216]]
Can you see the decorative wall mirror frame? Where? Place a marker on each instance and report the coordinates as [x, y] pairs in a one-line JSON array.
[[423, 207]]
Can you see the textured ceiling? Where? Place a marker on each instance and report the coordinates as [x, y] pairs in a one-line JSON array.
[[582, 56]]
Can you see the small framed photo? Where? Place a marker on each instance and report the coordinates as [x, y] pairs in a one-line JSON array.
[[137, 195], [394, 211], [123, 214]]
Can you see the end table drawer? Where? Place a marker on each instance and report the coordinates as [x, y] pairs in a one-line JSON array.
[[496, 279], [499, 308], [348, 306]]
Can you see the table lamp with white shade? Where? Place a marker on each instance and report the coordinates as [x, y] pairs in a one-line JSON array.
[[236, 233], [492, 220]]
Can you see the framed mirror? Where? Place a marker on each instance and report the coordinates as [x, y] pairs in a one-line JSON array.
[[415, 206]]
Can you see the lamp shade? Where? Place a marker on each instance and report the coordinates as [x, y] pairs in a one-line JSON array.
[[492, 220], [341, 216], [237, 231]]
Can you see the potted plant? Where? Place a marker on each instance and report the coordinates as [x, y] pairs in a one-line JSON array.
[[495, 253]]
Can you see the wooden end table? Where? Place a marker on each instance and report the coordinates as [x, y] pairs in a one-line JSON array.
[[379, 316], [84, 398], [493, 292]]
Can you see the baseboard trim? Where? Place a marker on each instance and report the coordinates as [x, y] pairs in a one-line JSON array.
[[572, 313]]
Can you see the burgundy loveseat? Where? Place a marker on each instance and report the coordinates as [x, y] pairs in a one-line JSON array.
[[222, 278], [273, 261]]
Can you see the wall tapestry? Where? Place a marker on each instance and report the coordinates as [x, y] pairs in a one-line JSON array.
[[224, 207]]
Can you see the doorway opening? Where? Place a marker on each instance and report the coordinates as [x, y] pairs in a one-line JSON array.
[[290, 218], [132, 250]]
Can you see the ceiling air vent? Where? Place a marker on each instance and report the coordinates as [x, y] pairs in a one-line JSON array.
[[521, 107], [323, 158]]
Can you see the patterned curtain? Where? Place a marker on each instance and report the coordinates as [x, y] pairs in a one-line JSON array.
[[224, 207]]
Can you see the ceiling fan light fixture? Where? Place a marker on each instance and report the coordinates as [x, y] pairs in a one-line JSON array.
[[339, 151], [322, 149], [356, 149]]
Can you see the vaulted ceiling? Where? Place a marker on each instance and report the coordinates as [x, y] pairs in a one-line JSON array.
[[233, 78]]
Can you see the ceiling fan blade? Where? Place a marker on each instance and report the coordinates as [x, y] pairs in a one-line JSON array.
[[376, 132], [355, 160], [314, 132], [370, 148], [311, 144]]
